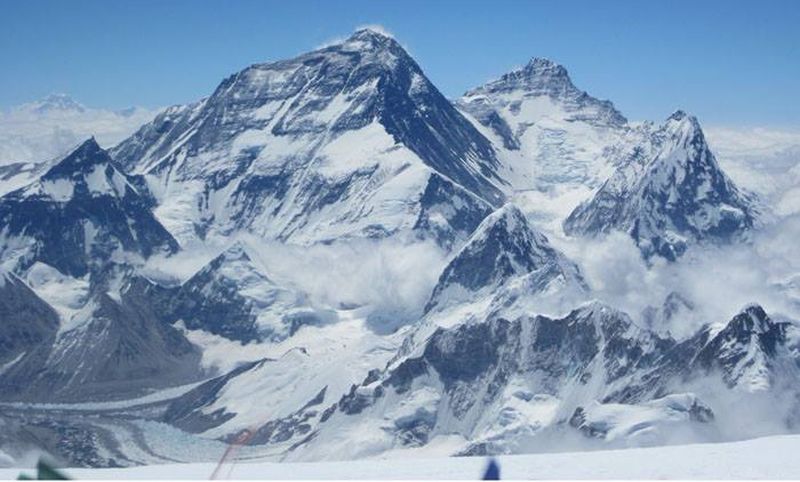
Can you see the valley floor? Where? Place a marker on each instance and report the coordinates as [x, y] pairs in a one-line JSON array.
[[764, 458]]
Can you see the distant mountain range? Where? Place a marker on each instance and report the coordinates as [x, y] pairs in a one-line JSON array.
[[112, 355], [48, 129]]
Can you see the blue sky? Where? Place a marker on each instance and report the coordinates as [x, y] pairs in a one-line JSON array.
[[729, 62]]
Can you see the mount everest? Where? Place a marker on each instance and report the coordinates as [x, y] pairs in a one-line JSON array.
[[328, 259]]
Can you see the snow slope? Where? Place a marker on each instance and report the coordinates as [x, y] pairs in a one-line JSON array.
[[763, 458]]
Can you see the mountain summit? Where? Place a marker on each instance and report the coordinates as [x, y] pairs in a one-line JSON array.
[[540, 76], [79, 215], [343, 141], [504, 246], [669, 191], [555, 131]]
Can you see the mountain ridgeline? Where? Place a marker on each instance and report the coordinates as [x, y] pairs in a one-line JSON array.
[[147, 285]]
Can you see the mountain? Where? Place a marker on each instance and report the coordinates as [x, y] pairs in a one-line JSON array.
[[667, 193], [79, 215], [139, 353], [500, 384], [122, 343], [61, 103], [49, 128], [752, 352], [491, 384], [556, 132], [28, 322], [349, 140], [503, 246], [233, 296]]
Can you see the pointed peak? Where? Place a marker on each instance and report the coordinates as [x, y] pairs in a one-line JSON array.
[[86, 155], [752, 319], [373, 32], [678, 115], [507, 211], [540, 76], [681, 117], [509, 220], [236, 252], [541, 70], [504, 246], [684, 126], [371, 39], [543, 65], [88, 151], [596, 308], [89, 145]]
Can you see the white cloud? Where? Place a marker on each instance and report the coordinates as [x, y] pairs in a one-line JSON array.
[[718, 281], [29, 133], [392, 278]]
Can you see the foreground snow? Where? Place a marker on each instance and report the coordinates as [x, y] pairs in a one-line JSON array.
[[764, 458]]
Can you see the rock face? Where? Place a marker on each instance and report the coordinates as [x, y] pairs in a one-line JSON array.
[[28, 322], [497, 381], [500, 381], [234, 297], [668, 192], [139, 353], [503, 246], [77, 234], [751, 352], [79, 215], [348, 140]]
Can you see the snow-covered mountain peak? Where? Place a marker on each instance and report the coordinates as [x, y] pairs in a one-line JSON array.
[[684, 127], [347, 140], [372, 31], [667, 191], [752, 319], [56, 103], [86, 155], [234, 296], [510, 220], [47, 129], [559, 132], [609, 322], [80, 215], [543, 64], [370, 39], [540, 76], [747, 350], [678, 115], [543, 71], [236, 252], [87, 170], [504, 246]]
